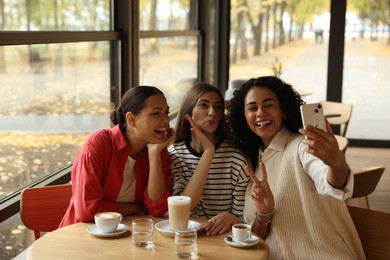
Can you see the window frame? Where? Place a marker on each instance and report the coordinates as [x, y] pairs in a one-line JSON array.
[[124, 57], [10, 205]]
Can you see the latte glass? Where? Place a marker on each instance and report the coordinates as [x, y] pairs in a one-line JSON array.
[[179, 212]]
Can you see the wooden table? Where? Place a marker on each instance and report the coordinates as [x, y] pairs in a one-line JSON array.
[[74, 242]]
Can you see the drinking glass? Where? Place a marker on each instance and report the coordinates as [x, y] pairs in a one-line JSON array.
[[186, 243], [142, 232]]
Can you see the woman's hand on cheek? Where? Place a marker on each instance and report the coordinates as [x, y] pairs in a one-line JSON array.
[[169, 136], [202, 137]]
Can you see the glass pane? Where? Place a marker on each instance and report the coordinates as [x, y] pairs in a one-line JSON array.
[[366, 65], [169, 64], [67, 15], [167, 15], [286, 39], [15, 237], [52, 97]]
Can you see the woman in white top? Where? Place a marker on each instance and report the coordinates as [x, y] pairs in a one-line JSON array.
[[205, 164], [296, 200]]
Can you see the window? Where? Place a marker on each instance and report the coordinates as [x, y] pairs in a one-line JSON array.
[[366, 61], [63, 66], [54, 95], [169, 47], [291, 39], [269, 37], [56, 83]]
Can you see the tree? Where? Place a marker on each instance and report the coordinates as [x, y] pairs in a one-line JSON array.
[[240, 33], [257, 29], [383, 7]]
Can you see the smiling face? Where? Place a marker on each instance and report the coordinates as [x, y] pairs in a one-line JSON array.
[[153, 121], [207, 112], [263, 113]]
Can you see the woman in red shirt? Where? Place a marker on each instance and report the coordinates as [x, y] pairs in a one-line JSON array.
[[124, 168]]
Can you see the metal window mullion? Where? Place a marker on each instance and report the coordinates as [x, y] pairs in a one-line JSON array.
[[25, 38], [162, 34]]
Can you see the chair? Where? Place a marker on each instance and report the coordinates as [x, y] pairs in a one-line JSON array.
[[343, 143], [338, 114], [373, 228], [42, 208], [366, 180], [233, 85]]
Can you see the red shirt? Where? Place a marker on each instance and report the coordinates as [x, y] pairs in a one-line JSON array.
[[97, 176]]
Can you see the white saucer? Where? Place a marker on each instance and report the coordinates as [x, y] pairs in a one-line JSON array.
[[251, 242], [164, 228], [122, 228]]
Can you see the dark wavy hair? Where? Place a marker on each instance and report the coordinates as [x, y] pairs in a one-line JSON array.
[[290, 102], [134, 100], [183, 127]]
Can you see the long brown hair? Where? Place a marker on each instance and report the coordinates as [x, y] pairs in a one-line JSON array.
[[188, 103]]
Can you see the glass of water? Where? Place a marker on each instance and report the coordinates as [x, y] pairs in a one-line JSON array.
[[186, 243], [142, 232]]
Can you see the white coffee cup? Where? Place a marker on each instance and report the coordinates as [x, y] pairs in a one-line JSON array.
[[241, 232], [179, 212], [107, 222]]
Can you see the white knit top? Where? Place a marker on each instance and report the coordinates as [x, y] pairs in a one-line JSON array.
[[309, 222], [227, 180]]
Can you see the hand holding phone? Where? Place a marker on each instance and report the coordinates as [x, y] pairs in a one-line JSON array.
[[313, 114]]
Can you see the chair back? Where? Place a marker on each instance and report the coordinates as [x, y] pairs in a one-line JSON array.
[[366, 180], [373, 228], [233, 85], [343, 143], [338, 114], [42, 208]]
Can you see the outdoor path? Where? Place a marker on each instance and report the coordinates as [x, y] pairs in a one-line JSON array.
[[365, 83]]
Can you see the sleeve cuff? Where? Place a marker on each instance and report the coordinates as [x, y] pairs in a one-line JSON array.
[[344, 194]]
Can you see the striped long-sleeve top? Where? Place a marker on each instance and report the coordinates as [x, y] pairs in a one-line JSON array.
[[225, 187]]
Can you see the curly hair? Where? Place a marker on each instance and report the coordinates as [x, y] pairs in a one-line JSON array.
[[290, 102]]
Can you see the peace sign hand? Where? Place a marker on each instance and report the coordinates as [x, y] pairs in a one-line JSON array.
[[261, 192]]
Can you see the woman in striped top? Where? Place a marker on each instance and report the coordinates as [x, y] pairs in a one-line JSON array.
[[300, 185], [205, 164]]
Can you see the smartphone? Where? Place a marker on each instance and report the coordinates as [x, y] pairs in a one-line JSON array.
[[313, 114]]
